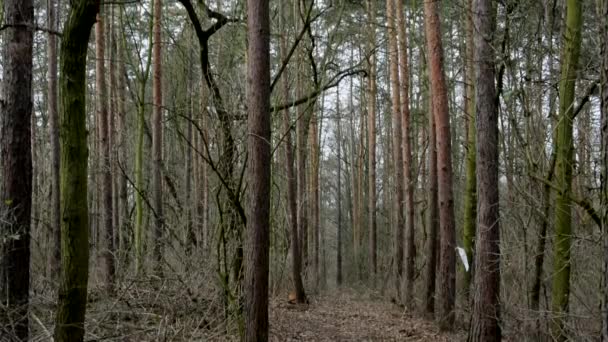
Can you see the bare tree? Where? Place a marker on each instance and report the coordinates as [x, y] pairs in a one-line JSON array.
[[447, 264], [486, 308], [16, 168]]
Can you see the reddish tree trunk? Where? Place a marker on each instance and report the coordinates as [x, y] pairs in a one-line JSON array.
[[447, 264]]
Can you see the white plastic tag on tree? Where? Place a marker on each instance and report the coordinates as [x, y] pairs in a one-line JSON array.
[[463, 257]]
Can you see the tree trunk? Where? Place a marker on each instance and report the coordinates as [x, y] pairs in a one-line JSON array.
[[410, 246], [16, 166], [74, 152], [393, 61], [486, 308], [259, 151], [157, 139], [470, 193], [371, 135], [604, 124], [563, 172], [314, 192], [104, 153], [122, 141], [55, 241], [339, 191], [447, 264], [291, 180], [433, 215]]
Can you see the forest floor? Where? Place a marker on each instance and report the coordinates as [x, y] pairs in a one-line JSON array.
[[347, 315]]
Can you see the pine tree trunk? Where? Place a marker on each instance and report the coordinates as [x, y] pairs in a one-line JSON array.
[[447, 264], [291, 180], [371, 134], [339, 191], [485, 325], [410, 246], [470, 194], [74, 152], [259, 151], [122, 141], [563, 172], [393, 61], [16, 166]]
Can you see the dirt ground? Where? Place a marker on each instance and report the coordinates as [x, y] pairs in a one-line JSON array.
[[349, 316]]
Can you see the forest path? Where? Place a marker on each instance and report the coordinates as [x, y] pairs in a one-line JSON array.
[[349, 316]]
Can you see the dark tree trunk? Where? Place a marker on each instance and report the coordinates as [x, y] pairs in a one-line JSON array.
[[74, 171], [433, 216], [486, 307], [447, 264], [16, 164], [258, 171], [55, 240], [371, 134], [604, 107], [157, 138]]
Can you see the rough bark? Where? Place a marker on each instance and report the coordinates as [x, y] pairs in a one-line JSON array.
[[74, 153], [433, 216], [410, 246], [259, 151], [447, 264], [470, 194], [339, 192], [16, 166], [123, 203], [157, 138], [55, 241], [393, 61], [604, 124], [104, 153], [486, 307], [563, 173], [371, 135], [291, 181]]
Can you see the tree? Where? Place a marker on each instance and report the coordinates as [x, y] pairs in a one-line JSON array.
[[371, 136], [157, 137], [74, 154], [486, 308], [292, 205], [447, 263], [259, 151], [339, 190], [16, 168], [104, 146], [470, 196], [603, 12], [410, 242], [393, 61], [55, 260], [563, 172]]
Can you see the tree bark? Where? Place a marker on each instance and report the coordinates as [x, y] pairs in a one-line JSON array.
[[447, 264], [563, 172], [55, 241], [259, 151], [371, 135], [393, 61], [470, 194], [157, 138], [604, 125], [339, 191], [16, 166], [74, 154], [291, 180], [104, 153], [410, 246], [486, 307]]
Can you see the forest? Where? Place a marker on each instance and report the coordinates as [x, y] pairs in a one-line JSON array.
[[303, 170]]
